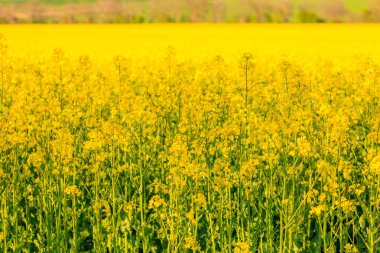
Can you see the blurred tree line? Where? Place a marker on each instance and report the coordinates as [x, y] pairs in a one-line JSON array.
[[146, 11]]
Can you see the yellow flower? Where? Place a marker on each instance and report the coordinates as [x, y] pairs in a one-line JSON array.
[[190, 216], [190, 243], [318, 210], [375, 165], [349, 248], [324, 168], [73, 191], [346, 205], [241, 247], [200, 200], [322, 197], [156, 201]]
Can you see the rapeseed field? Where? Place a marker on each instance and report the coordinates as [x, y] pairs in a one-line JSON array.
[[190, 138]]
